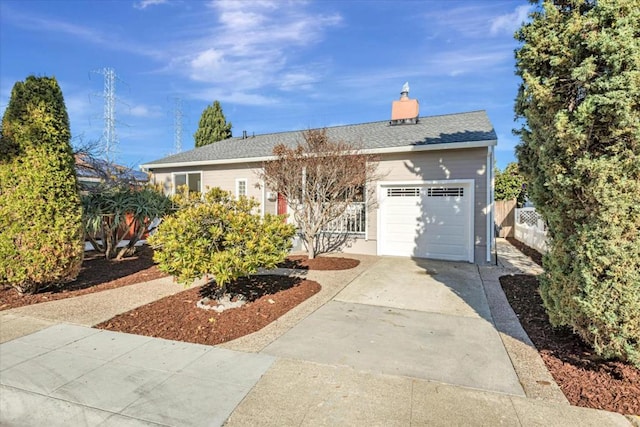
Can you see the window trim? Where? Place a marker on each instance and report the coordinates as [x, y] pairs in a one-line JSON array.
[[246, 187], [173, 180]]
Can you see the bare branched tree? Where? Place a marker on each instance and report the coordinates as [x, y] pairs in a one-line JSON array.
[[97, 174], [321, 179]]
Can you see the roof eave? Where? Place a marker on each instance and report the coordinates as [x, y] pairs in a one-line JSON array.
[[152, 166], [387, 150], [432, 147]]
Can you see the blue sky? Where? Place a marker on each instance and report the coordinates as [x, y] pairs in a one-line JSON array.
[[274, 65]]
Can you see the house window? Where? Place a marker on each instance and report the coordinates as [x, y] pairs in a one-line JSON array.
[[241, 187], [403, 192], [445, 192], [191, 180]]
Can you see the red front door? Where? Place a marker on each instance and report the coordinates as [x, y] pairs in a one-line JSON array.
[[282, 205]]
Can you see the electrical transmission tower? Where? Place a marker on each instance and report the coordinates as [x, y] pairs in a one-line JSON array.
[[177, 125], [109, 135]]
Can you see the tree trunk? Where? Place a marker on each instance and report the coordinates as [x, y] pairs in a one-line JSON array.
[[311, 249], [130, 248], [107, 240], [94, 244]]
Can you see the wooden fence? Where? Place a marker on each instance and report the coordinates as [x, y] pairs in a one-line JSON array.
[[505, 215]]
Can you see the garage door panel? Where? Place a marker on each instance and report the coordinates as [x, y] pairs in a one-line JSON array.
[[438, 206], [398, 230], [445, 211], [405, 208], [447, 232], [451, 253], [432, 221], [406, 247], [442, 221]]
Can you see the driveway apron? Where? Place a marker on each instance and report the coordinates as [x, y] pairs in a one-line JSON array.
[[409, 317]]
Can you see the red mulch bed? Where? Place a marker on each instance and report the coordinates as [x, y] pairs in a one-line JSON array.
[[176, 317], [585, 379], [303, 262], [97, 274]]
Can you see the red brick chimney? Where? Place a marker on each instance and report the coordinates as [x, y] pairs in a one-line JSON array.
[[405, 110]]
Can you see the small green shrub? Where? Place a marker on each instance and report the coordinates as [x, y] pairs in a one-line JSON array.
[[220, 236]]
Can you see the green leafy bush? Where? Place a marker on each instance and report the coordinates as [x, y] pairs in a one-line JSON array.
[[41, 241], [108, 215], [220, 236], [580, 153], [510, 184]]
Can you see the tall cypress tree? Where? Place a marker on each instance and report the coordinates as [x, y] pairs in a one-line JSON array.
[[580, 153], [41, 235], [213, 126]]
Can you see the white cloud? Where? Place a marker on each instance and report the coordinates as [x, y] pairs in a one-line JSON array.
[[510, 22], [477, 60], [472, 21], [236, 97], [469, 60], [241, 20], [109, 40], [37, 23], [238, 5], [141, 110], [478, 20], [296, 80], [78, 104], [143, 4], [206, 64], [251, 47]]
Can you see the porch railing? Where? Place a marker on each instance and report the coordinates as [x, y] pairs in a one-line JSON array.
[[353, 221]]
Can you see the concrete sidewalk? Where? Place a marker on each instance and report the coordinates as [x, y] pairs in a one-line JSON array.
[[69, 375], [300, 393], [371, 356]]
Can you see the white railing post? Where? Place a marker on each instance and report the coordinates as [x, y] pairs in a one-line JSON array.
[[353, 221]]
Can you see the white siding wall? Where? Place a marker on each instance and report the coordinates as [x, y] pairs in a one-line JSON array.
[[223, 176], [424, 166], [442, 165]]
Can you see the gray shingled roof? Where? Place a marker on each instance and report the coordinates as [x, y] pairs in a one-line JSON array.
[[450, 128]]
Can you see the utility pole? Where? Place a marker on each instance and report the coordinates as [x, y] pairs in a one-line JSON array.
[[177, 125], [109, 135]]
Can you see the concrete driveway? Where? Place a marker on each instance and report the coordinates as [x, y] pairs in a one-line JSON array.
[[376, 346], [416, 318]]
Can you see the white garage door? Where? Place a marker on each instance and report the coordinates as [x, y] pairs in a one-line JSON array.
[[427, 221]]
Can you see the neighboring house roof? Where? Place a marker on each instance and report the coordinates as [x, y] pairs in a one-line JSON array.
[[96, 169], [432, 132]]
